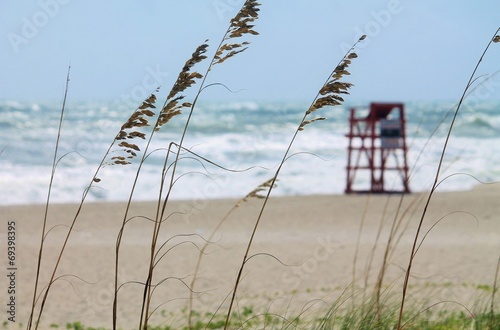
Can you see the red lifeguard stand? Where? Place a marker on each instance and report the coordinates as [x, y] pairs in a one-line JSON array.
[[372, 140]]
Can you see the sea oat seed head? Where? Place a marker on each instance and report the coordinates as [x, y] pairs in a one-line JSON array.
[[127, 131], [240, 25], [262, 187], [330, 93]]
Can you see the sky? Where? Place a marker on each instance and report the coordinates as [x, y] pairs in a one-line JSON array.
[[120, 50]]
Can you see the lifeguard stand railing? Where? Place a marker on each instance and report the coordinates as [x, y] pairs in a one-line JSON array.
[[373, 139]]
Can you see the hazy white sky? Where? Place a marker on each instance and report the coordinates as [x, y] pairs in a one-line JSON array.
[[415, 50]]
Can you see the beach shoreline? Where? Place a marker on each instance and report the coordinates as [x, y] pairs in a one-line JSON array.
[[303, 253]]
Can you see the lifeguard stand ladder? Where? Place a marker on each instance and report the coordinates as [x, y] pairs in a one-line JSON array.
[[372, 140]]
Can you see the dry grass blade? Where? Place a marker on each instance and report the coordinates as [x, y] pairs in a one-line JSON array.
[[436, 180], [253, 194], [330, 89], [495, 289], [136, 120], [44, 226], [240, 26], [171, 108]]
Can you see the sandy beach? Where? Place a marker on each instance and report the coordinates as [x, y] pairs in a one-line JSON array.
[[305, 250]]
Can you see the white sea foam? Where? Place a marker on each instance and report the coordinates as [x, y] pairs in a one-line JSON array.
[[248, 139]]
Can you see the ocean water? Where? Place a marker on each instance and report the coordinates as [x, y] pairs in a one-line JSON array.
[[242, 144]]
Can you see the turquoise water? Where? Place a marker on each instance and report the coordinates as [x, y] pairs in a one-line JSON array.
[[247, 137]]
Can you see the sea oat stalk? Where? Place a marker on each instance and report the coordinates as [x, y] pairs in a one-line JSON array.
[[241, 25], [256, 193], [171, 108], [495, 38], [138, 119], [47, 203], [329, 95]]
